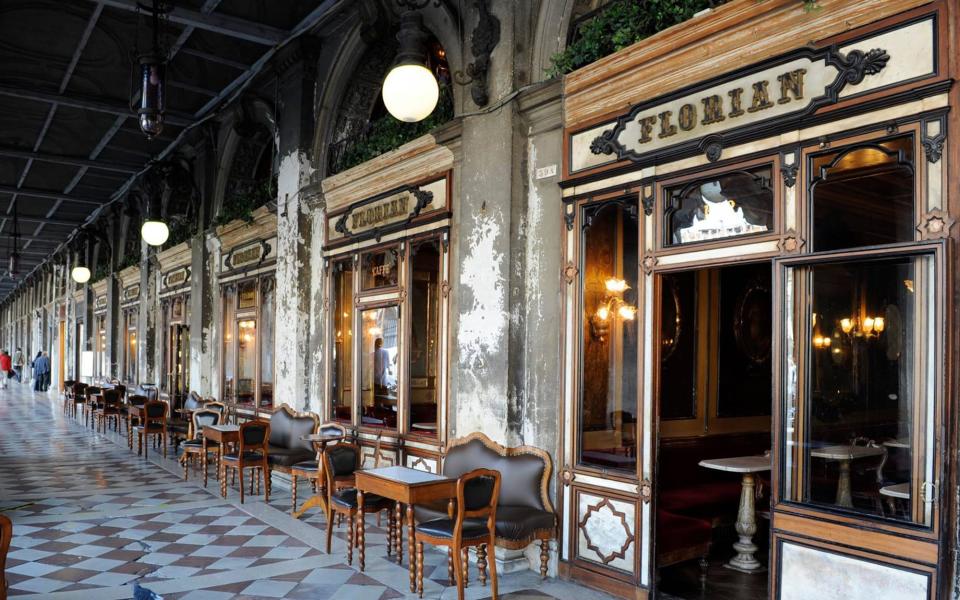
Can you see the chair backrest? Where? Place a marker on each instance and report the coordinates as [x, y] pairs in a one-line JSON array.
[[204, 417], [6, 534], [155, 412], [288, 426], [93, 390], [331, 428], [112, 398], [193, 401], [380, 459], [477, 495], [136, 400], [254, 435], [121, 389], [341, 460]]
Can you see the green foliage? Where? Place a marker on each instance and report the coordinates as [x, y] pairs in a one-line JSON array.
[[387, 133], [181, 230], [625, 22], [241, 205]]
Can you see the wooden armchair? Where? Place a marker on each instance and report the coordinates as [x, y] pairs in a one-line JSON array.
[[252, 454], [340, 463], [110, 408], [194, 445], [474, 525], [154, 424]]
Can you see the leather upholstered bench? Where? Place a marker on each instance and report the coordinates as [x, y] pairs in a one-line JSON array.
[[524, 511], [286, 428]]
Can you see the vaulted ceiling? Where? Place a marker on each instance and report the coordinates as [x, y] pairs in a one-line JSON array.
[[69, 142]]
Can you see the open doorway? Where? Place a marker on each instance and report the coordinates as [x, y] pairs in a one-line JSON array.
[[713, 420]]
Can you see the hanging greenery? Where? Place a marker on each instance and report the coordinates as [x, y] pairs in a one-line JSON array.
[[242, 204], [387, 133], [182, 229], [624, 22]]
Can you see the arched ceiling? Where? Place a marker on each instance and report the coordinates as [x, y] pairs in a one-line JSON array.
[[69, 143]]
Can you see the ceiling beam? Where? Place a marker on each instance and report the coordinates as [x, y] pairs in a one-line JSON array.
[[207, 56], [76, 161], [47, 220], [105, 105], [50, 195], [234, 27]]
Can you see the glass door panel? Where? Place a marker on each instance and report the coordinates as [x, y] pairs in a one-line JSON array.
[[378, 367], [246, 361]]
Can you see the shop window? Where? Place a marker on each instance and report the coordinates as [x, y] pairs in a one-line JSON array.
[[247, 295], [229, 344], [379, 269], [246, 361], [863, 195], [268, 307], [130, 346], [730, 205], [379, 371], [859, 354], [608, 355], [678, 326], [342, 367], [424, 393]]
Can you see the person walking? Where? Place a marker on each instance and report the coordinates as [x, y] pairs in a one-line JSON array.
[[6, 369], [41, 371], [19, 360]]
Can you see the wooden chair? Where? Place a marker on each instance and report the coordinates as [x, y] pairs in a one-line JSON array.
[[78, 395], [68, 396], [252, 454], [477, 495], [340, 463], [194, 445], [90, 404], [109, 408], [155, 424], [138, 401], [6, 534], [311, 469]]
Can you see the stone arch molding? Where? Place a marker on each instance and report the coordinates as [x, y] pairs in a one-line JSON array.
[[345, 59], [550, 34], [249, 128]]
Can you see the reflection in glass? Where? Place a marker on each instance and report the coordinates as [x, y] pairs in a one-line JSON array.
[[246, 360], [852, 415], [342, 372], [247, 294], [229, 343], [130, 347], [379, 269], [267, 316], [729, 205], [608, 401], [424, 336], [378, 365], [678, 324], [863, 196]]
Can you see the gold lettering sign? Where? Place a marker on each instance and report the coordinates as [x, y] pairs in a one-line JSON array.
[[389, 211], [376, 214], [101, 302], [246, 256], [132, 292], [176, 278], [742, 108]]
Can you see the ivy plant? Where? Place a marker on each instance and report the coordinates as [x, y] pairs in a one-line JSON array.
[[241, 205], [624, 22]]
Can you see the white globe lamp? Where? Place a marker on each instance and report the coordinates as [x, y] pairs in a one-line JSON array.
[[410, 91], [155, 233], [80, 274]]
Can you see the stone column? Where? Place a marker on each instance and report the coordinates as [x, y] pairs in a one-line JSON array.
[[297, 70], [147, 322]]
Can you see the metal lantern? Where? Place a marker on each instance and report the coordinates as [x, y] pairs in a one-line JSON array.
[[410, 91], [152, 92]]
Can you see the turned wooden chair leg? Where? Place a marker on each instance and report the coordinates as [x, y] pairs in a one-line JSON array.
[[465, 553], [293, 492], [493, 568], [329, 516], [349, 539], [239, 468], [450, 576], [482, 564], [544, 557], [420, 569]]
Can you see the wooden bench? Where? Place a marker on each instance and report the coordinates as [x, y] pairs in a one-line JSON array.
[[524, 511]]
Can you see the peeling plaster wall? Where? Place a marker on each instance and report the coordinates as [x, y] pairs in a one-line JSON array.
[[315, 362]]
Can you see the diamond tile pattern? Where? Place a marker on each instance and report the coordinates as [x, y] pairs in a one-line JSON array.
[[90, 517]]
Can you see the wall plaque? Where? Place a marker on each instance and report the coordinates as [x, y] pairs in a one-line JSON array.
[[176, 278], [390, 211], [773, 95], [249, 255], [131, 293], [100, 302]]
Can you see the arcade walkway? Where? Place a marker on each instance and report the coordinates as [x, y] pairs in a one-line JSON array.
[[91, 519]]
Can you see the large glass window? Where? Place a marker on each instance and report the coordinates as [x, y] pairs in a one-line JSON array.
[[379, 373], [380, 269], [424, 393], [342, 323], [268, 307], [248, 354], [608, 349], [859, 352], [130, 346], [246, 361], [863, 195], [229, 343], [729, 205]]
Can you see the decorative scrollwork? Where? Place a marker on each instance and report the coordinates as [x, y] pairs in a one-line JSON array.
[[933, 146], [628, 538], [857, 64], [645, 489], [486, 36], [605, 143], [712, 148], [789, 173], [935, 224], [648, 200]]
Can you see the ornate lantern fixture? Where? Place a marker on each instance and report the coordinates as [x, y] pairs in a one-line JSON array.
[[154, 231], [151, 73], [81, 270], [14, 264], [410, 91]]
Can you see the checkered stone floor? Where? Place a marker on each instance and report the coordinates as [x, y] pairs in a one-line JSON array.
[[91, 519]]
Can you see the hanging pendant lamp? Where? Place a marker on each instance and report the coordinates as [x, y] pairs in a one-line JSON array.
[[410, 91]]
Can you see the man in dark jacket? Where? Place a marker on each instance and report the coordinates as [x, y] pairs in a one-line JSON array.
[[41, 370]]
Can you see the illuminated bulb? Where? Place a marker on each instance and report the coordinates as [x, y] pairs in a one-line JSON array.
[[868, 323], [627, 313], [879, 324], [155, 233], [616, 286], [908, 283], [846, 325], [80, 274], [826, 342], [603, 313]]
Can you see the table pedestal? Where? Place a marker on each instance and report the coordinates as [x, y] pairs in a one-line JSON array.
[[844, 496], [746, 526]]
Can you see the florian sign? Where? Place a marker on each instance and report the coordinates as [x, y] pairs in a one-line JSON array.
[[250, 256], [393, 210], [712, 115], [176, 278]]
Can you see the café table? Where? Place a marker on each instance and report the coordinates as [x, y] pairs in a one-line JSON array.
[[320, 441], [133, 411], [745, 560], [407, 486], [223, 435], [844, 454]]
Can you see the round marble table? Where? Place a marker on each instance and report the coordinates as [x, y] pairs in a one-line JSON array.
[[845, 454], [745, 559]]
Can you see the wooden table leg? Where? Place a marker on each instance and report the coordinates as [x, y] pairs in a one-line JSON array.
[[361, 542], [203, 460], [411, 557], [420, 569], [398, 532]]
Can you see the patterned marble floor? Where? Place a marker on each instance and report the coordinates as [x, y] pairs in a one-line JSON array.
[[91, 519]]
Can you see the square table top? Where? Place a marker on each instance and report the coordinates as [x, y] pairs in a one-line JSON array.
[[405, 475], [223, 428]]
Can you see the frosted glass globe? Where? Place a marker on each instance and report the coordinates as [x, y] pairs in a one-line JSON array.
[[155, 233], [80, 274], [410, 92]]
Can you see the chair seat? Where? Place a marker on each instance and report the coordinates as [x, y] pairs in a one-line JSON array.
[[513, 522], [248, 456], [308, 465], [287, 457], [149, 428], [347, 498], [443, 528], [199, 444], [178, 426]]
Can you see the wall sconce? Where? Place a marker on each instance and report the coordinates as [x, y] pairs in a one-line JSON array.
[[870, 326], [611, 308], [821, 342]]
